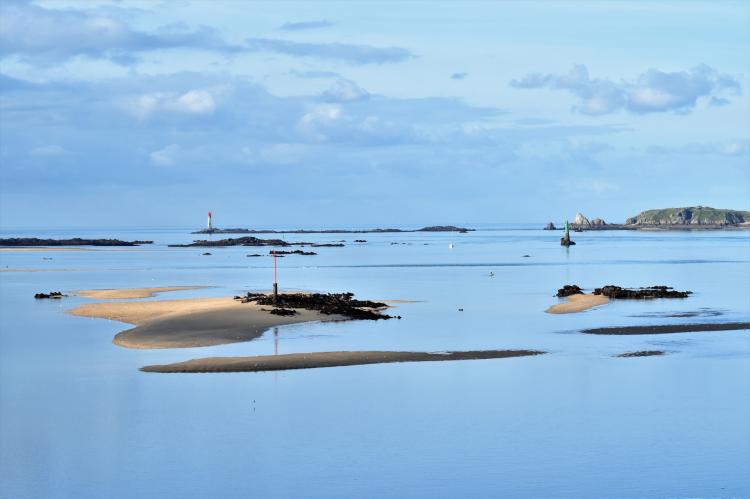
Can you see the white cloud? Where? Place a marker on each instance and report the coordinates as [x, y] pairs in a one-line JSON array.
[[166, 156], [195, 102], [652, 91], [314, 123], [345, 91]]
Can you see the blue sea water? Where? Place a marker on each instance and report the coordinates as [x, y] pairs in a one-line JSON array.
[[79, 420]]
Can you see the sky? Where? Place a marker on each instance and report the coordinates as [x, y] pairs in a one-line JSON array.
[[331, 114]]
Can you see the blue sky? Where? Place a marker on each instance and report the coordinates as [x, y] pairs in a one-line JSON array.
[[345, 113]]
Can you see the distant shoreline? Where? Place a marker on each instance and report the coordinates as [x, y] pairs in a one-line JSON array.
[[434, 228]]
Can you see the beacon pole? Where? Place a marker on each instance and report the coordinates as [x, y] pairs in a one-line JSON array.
[[275, 282]]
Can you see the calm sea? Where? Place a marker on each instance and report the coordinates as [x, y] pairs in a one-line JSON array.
[[78, 420]]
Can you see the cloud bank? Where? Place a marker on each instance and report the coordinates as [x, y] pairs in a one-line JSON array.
[[653, 91]]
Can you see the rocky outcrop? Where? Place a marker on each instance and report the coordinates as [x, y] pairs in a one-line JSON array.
[[239, 241], [328, 304], [568, 290], [580, 220], [550, 226], [690, 216], [598, 222], [76, 241], [295, 252], [54, 295], [641, 353], [617, 292], [566, 241]]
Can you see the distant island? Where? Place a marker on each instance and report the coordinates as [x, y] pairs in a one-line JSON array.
[[688, 218], [433, 228], [76, 241]]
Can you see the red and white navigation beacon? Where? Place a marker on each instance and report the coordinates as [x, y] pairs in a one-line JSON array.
[[210, 225]]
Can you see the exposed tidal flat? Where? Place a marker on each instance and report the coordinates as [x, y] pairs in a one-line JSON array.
[[576, 422]]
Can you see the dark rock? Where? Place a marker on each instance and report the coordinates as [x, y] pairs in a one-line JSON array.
[[617, 292], [253, 254], [565, 241], [550, 226], [641, 353], [327, 245], [328, 304], [206, 254], [569, 289], [283, 312], [444, 228], [76, 241], [526, 256], [295, 252], [240, 241], [55, 295], [360, 241]]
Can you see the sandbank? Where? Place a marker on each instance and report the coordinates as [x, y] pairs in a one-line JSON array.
[[124, 294], [578, 303], [195, 322], [324, 359], [669, 328]]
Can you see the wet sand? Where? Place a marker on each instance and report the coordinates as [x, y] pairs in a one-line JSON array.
[[669, 328], [124, 294], [195, 322], [578, 303], [325, 359]]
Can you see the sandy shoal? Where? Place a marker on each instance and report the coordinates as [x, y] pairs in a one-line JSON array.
[[578, 303], [670, 328], [195, 322], [325, 359], [124, 294]]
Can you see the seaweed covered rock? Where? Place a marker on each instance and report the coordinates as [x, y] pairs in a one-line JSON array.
[[325, 303], [295, 252], [54, 295], [284, 312], [617, 292], [569, 289]]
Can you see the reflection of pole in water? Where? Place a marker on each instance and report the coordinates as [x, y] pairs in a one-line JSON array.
[[275, 341]]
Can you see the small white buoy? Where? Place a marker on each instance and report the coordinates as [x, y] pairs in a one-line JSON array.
[[450, 246]]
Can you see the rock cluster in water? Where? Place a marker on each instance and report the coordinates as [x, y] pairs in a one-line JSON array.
[[641, 353], [550, 226], [295, 252], [325, 303], [569, 289], [611, 291], [237, 241], [55, 295], [76, 241]]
